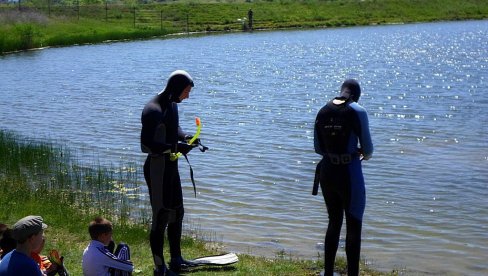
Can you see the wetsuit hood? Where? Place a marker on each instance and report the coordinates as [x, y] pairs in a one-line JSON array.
[[350, 89], [177, 82]]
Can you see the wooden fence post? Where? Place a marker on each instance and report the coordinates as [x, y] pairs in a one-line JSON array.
[[134, 17], [187, 23]]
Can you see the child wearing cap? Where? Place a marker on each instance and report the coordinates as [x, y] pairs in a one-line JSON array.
[[29, 234], [98, 260]]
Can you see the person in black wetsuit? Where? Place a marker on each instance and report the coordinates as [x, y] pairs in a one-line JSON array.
[[340, 127], [162, 138]]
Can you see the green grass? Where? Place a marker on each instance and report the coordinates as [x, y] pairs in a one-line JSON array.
[[44, 178], [36, 27]]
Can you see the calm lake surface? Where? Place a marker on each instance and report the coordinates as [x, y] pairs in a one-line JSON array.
[[425, 87]]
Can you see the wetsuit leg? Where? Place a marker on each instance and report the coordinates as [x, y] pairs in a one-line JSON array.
[[156, 238], [335, 210], [154, 170], [176, 202], [174, 234], [334, 183], [166, 196], [353, 244], [147, 175], [355, 205]]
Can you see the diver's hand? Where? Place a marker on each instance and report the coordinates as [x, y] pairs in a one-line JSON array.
[[189, 137], [185, 148], [363, 157]]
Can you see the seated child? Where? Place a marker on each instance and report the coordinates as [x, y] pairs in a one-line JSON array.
[[98, 260], [28, 232]]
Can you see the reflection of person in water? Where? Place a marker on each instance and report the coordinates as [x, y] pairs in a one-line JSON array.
[[162, 138], [340, 126]]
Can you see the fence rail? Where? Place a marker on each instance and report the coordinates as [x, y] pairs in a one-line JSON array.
[[140, 16]]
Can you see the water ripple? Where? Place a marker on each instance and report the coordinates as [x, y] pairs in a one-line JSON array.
[[257, 94]]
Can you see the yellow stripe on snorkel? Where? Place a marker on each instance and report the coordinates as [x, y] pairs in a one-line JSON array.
[[199, 127]]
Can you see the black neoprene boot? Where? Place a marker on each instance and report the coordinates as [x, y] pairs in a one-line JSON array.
[[178, 264], [163, 271]]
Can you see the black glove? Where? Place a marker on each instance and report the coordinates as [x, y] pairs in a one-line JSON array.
[[185, 148]]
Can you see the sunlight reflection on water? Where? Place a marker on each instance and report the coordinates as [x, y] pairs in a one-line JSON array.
[[257, 95]]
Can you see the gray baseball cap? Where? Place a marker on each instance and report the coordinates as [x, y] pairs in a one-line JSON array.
[[27, 226]]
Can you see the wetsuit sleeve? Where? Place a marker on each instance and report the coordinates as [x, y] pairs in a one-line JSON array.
[[316, 137], [153, 132], [364, 133], [181, 134]]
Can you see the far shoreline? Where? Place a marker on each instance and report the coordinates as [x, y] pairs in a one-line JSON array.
[[224, 32], [33, 27]]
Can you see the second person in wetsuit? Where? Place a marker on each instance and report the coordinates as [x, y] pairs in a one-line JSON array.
[[342, 137], [162, 138]]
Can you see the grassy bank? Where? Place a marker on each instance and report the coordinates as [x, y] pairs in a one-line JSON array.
[[36, 25], [44, 179]]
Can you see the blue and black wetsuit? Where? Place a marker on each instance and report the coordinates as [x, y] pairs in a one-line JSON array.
[[340, 127], [160, 135]]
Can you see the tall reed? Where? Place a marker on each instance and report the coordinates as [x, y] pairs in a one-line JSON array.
[[44, 169]]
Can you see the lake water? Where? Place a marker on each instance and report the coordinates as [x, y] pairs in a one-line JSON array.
[[424, 85]]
